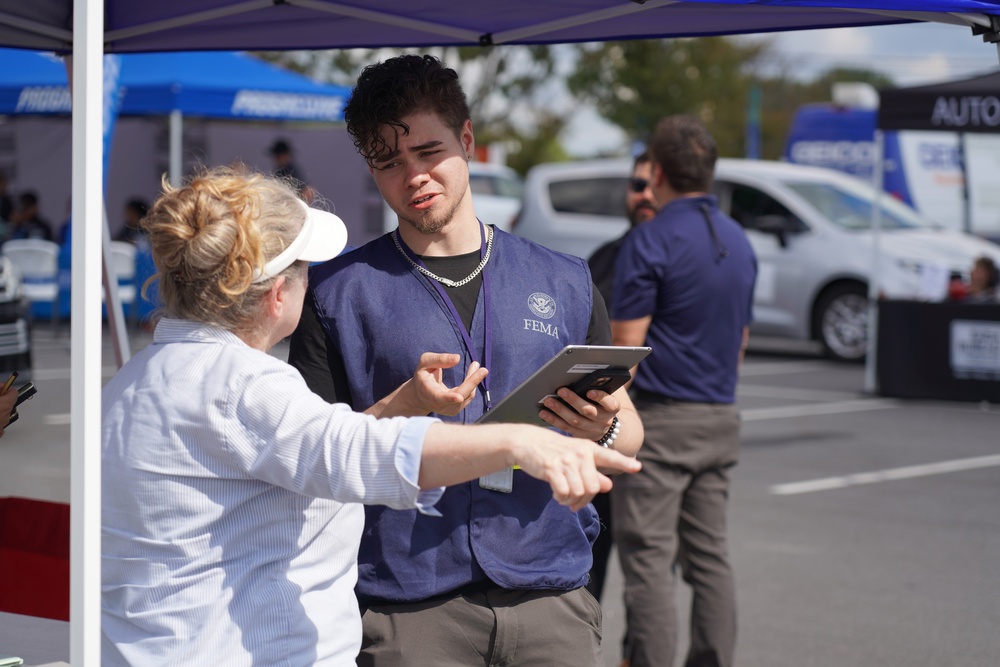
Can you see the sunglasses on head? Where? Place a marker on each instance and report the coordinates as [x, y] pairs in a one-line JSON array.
[[637, 184]]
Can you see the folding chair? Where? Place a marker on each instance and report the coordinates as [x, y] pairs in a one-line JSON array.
[[38, 261], [123, 262]]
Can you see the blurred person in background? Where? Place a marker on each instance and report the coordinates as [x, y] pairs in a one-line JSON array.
[[983, 280], [6, 202], [640, 206], [131, 231], [684, 287], [26, 222], [285, 167]]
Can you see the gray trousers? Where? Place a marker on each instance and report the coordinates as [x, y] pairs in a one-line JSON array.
[[674, 510], [494, 628]]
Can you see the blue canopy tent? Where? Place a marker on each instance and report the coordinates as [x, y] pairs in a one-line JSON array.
[[203, 84], [206, 84], [90, 27], [213, 84]]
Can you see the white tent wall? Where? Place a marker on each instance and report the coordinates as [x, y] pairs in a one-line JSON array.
[[35, 153]]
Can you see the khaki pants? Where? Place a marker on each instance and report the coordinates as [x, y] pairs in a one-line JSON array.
[[494, 628], [674, 510]]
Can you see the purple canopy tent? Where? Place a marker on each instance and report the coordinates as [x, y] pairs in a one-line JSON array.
[[87, 28], [311, 24]]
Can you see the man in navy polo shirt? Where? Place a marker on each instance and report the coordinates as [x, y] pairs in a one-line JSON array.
[[499, 577], [684, 286]]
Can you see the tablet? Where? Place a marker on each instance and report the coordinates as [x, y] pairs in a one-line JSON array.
[[570, 365]]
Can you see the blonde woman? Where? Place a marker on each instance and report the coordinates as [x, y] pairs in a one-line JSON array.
[[231, 520]]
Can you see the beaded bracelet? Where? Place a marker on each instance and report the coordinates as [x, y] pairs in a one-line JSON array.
[[609, 438]]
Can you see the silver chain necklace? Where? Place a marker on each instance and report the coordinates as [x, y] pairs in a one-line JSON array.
[[445, 281]]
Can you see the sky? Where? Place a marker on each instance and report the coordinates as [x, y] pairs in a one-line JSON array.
[[911, 54]]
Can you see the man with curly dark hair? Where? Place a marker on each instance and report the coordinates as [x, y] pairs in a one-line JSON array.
[[500, 577]]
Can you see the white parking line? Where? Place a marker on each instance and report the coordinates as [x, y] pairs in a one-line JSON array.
[[794, 393], [59, 419], [752, 370], [792, 411], [907, 472]]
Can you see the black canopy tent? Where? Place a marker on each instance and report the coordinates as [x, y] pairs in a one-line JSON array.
[[964, 106], [967, 105]]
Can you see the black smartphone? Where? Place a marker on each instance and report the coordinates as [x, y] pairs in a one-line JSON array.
[[608, 380], [26, 391]]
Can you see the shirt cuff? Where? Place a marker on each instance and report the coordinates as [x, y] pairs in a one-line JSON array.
[[410, 447]]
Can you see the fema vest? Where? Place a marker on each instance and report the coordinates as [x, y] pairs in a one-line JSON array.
[[381, 314]]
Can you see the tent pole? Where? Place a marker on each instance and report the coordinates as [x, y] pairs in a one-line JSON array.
[[387, 18], [873, 282], [188, 19], [85, 334], [112, 300], [176, 147], [963, 165]]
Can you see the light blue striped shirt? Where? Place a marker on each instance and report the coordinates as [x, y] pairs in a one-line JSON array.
[[230, 517]]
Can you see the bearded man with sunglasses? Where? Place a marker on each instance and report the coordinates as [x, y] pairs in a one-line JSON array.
[[640, 207]]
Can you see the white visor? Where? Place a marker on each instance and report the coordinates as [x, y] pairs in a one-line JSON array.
[[322, 237]]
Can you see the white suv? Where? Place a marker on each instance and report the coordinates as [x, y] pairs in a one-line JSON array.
[[809, 227]]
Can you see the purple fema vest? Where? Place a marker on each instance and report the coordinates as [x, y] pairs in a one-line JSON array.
[[382, 315]]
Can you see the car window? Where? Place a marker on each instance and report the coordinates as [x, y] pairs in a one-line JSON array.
[[604, 196], [747, 205], [853, 210], [487, 184]]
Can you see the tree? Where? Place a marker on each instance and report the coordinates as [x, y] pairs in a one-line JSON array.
[[782, 97], [509, 89], [635, 83]]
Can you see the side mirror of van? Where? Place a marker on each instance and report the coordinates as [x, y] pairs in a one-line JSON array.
[[778, 225]]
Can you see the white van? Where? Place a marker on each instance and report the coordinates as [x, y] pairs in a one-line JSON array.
[[810, 229]]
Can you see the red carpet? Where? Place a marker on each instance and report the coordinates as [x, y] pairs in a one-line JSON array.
[[34, 558]]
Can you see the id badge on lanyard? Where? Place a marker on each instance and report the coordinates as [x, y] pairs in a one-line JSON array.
[[502, 481]]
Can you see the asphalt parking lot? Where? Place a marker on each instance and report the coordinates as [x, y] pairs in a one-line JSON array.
[[864, 530]]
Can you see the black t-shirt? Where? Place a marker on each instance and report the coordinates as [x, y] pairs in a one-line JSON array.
[[312, 352], [602, 268]]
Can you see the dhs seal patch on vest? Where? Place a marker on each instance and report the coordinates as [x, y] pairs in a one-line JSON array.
[[543, 306]]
